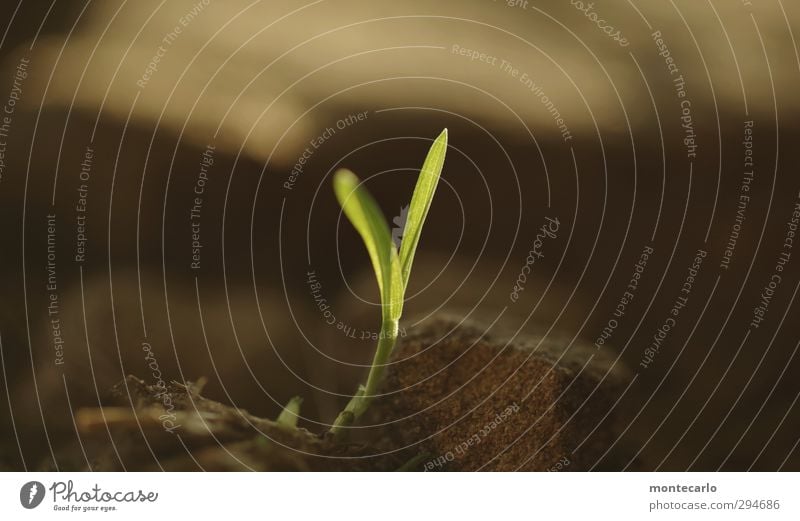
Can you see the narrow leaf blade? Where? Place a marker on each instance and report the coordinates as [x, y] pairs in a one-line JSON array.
[[291, 413], [421, 203], [365, 216]]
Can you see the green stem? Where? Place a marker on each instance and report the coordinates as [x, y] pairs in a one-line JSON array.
[[361, 401]]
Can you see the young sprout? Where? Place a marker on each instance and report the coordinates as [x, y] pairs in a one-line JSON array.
[[392, 268], [290, 414]]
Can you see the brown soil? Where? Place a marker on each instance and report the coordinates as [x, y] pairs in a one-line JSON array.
[[211, 436], [456, 400], [459, 394]]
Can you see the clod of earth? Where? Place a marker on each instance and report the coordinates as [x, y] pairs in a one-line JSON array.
[[472, 401], [462, 397], [208, 435]]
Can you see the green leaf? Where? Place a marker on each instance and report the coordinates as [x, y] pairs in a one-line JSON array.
[[363, 212], [391, 269], [421, 203], [291, 413]]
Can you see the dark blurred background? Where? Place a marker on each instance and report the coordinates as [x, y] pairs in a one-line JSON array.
[[268, 88]]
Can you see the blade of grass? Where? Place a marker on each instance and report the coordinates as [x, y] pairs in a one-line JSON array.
[[291, 413], [391, 269], [413, 464], [369, 222], [421, 203], [365, 216]]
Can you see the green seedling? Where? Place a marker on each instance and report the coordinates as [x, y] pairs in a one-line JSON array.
[[392, 268], [290, 414]]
